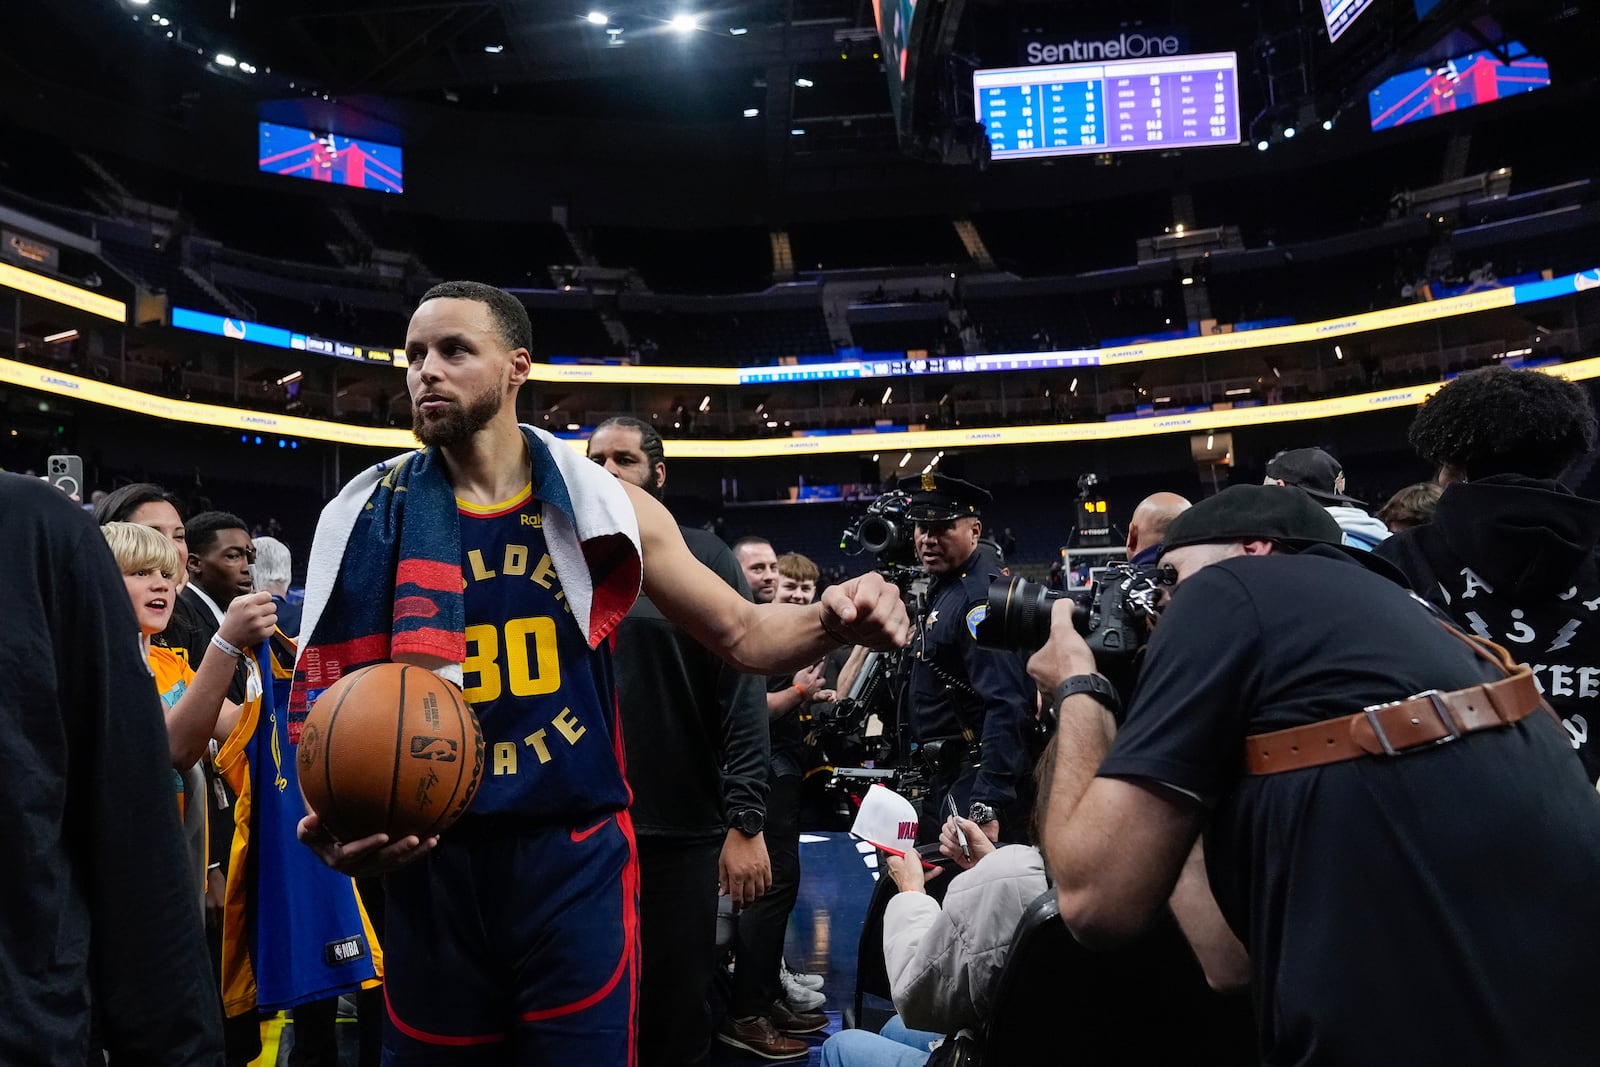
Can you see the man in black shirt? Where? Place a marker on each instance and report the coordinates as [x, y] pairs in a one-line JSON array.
[[695, 732], [1512, 554], [1402, 902], [98, 908]]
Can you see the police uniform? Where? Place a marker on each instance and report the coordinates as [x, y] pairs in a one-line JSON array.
[[972, 705]]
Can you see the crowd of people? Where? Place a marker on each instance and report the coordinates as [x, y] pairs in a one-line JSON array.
[[1339, 725]]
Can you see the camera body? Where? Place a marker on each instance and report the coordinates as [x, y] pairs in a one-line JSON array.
[[1114, 619], [884, 531]]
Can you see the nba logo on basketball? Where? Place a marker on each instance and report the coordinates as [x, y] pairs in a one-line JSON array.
[[438, 749]]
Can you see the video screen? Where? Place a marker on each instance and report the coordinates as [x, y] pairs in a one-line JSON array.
[[1120, 106], [327, 157], [1337, 15], [1463, 82], [894, 19]]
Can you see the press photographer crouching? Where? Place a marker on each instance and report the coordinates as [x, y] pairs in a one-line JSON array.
[[971, 708], [1396, 827]]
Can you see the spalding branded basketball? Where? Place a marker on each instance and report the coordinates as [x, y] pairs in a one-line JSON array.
[[390, 748]]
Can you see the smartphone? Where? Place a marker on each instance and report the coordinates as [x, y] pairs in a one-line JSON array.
[[66, 474]]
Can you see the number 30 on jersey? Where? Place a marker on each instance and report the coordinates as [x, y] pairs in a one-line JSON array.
[[528, 667]]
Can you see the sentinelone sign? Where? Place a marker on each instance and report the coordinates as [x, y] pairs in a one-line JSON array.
[[1135, 45]]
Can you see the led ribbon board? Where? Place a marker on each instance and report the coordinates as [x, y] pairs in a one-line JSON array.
[[28, 376], [58, 292]]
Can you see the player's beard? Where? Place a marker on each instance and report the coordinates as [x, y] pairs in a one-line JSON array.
[[460, 422]]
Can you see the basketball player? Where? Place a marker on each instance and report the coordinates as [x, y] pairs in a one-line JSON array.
[[513, 938]]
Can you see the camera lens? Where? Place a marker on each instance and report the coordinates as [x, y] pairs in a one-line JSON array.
[[1018, 614], [876, 534]]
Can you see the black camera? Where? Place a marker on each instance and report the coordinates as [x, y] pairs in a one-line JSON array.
[[884, 531], [1114, 618]]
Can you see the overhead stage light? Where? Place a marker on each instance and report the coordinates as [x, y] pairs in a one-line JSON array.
[[685, 23], [597, 18], [223, 59]]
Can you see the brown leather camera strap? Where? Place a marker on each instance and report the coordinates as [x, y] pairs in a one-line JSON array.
[[1406, 725]]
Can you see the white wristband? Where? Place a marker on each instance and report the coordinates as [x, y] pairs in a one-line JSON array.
[[217, 641]]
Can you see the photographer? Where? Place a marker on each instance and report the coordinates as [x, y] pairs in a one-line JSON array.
[[1401, 900], [970, 705]]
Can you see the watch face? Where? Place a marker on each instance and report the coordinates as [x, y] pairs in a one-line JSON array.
[[749, 821]]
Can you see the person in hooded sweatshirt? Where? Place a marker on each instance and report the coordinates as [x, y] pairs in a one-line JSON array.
[[1321, 476], [1511, 552]]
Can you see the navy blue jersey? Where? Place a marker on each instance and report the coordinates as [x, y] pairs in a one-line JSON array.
[[546, 701]]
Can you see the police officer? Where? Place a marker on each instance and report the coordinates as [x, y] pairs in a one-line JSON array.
[[972, 705]]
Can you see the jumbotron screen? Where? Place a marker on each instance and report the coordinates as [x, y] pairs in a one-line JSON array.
[[1337, 15], [1466, 81], [327, 157], [1121, 106]]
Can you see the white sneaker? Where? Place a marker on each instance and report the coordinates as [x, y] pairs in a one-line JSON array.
[[805, 981], [802, 999]]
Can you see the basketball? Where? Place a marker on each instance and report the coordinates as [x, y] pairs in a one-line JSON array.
[[390, 748]]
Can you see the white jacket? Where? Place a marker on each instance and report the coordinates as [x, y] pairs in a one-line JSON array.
[[1360, 529], [943, 964]]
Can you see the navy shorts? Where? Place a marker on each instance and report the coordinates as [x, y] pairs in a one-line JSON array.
[[515, 948]]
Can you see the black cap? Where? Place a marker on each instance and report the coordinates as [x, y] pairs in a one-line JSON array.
[[1255, 513], [1282, 514], [941, 498], [1313, 470]]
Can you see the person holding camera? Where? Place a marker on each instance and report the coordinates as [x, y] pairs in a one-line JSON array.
[[970, 707], [1396, 826]]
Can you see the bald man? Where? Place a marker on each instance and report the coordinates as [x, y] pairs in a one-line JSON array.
[[1148, 527]]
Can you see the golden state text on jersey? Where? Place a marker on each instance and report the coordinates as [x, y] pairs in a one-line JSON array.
[[545, 700]]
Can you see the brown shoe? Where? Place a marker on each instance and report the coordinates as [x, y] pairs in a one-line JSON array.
[[757, 1035], [788, 1021]]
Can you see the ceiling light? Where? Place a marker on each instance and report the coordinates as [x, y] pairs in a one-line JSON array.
[[1288, 133], [225, 60], [797, 132], [248, 68], [804, 83], [1237, 392], [1073, 388], [596, 18], [887, 394], [139, 3], [1327, 124], [1338, 353], [751, 112], [738, 31], [64, 335], [292, 376], [1187, 280], [494, 49], [705, 405], [905, 459], [1262, 146], [1209, 439], [685, 23]]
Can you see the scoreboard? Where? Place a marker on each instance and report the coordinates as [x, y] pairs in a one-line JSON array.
[[1121, 106]]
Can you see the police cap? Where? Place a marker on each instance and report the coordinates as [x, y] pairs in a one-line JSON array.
[[941, 498]]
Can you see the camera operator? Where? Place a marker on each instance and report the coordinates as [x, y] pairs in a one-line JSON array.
[[971, 705], [1401, 900]]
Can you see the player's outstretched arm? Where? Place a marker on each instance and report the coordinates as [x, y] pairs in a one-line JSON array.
[[770, 639]]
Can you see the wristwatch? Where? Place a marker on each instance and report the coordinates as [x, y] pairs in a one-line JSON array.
[[1094, 685], [981, 813], [748, 821]]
